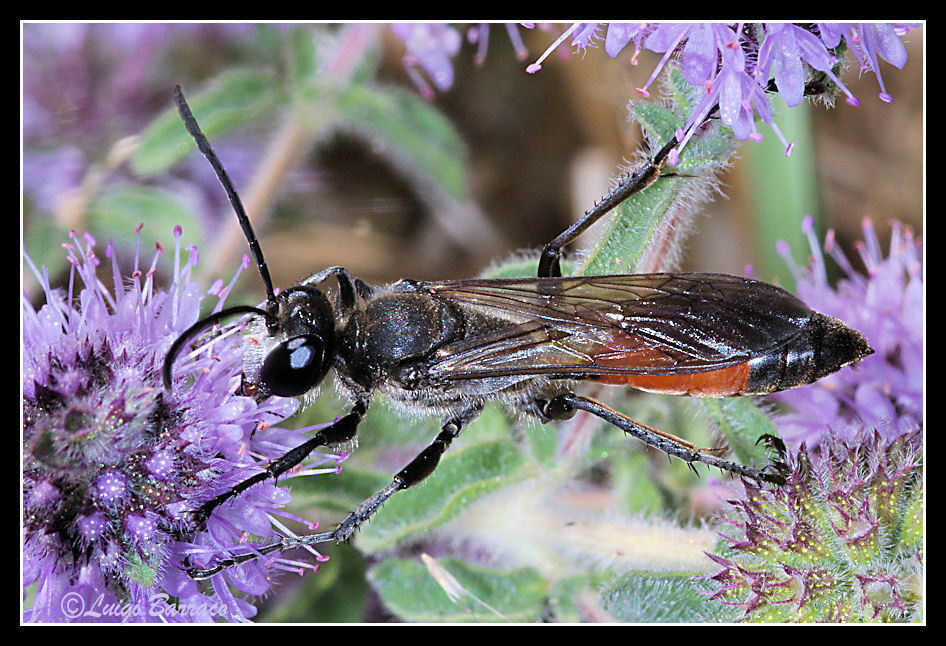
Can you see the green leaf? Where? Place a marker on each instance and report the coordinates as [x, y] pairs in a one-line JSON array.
[[631, 229], [658, 122], [465, 474], [634, 223], [528, 268], [480, 594], [234, 99], [42, 240], [117, 212], [683, 96], [337, 593], [543, 442], [141, 572], [741, 421], [911, 524], [515, 269], [641, 598], [302, 55], [638, 493], [342, 492], [415, 136], [710, 152], [565, 598]]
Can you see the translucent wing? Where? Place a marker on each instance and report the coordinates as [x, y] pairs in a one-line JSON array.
[[644, 324]]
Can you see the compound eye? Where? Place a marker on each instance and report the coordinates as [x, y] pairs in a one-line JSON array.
[[295, 366]]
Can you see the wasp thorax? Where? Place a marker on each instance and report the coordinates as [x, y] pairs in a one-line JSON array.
[[400, 327]]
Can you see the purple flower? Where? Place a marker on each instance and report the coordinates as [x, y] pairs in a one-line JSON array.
[[733, 63], [663, 38], [113, 465], [585, 36], [479, 36], [785, 48], [736, 93], [885, 389], [430, 46], [867, 40], [619, 34]]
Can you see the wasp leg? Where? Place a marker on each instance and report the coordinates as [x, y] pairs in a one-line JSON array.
[[549, 265], [347, 286], [342, 430], [565, 405], [416, 471]]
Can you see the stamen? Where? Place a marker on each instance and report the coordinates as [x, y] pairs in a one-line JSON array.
[[537, 65]]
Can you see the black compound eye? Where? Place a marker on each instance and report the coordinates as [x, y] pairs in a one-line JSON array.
[[295, 366]]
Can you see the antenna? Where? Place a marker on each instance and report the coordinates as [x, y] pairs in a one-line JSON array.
[[193, 331], [198, 327], [191, 123]]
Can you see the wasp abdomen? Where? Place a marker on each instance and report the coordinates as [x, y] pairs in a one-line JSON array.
[[824, 345], [723, 382]]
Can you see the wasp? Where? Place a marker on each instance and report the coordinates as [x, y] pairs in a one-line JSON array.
[[447, 348]]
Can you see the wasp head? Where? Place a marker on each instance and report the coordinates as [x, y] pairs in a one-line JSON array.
[[299, 347]]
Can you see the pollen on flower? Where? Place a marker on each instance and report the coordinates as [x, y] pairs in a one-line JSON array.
[[774, 565], [139, 528], [110, 488], [737, 72], [92, 527], [160, 465]]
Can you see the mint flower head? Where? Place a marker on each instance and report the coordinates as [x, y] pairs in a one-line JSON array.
[[842, 541], [738, 64], [114, 465], [885, 390]]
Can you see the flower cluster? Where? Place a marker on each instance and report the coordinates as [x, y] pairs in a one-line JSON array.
[[734, 63], [842, 541], [114, 465], [885, 389]]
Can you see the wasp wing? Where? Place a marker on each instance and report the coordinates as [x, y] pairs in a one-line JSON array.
[[638, 324]]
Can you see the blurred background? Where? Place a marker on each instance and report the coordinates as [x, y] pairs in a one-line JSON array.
[[539, 149], [518, 158]]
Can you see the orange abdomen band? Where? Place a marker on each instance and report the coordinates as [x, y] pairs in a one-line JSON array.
[[724, 382]]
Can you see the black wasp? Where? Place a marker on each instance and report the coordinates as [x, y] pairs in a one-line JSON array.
[[446, 348]]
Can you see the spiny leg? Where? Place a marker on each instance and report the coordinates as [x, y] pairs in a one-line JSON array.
[[342, 430], [563, 406], [415, 472]]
